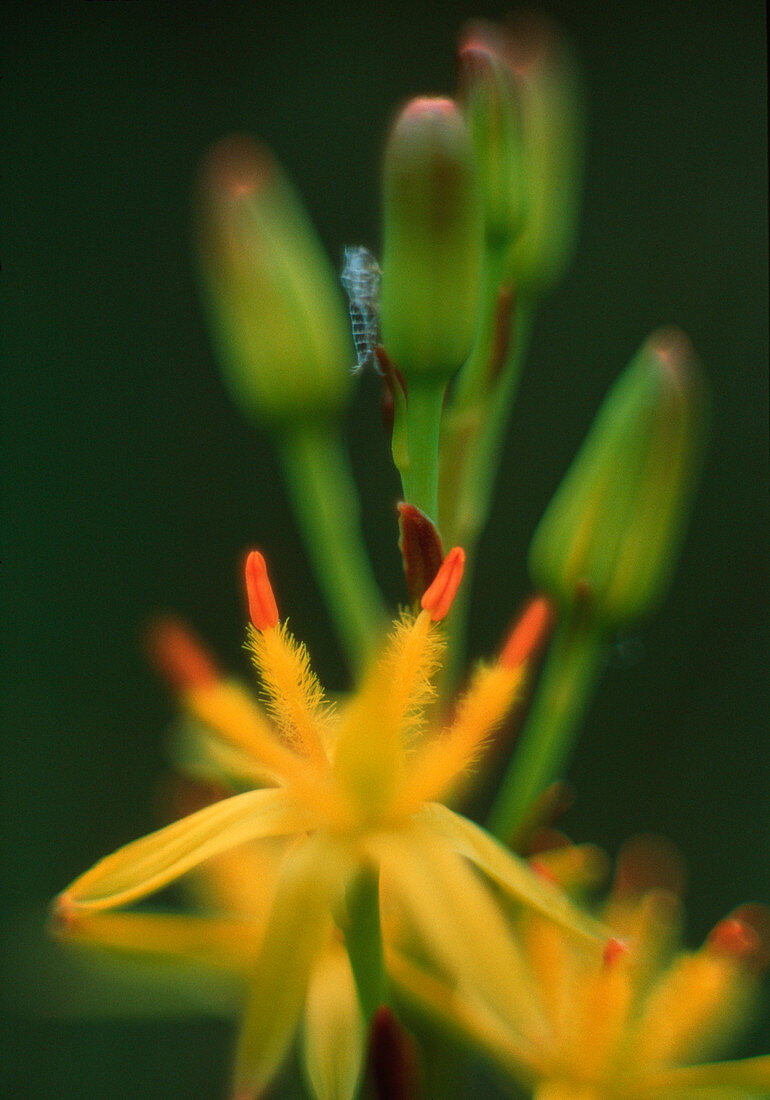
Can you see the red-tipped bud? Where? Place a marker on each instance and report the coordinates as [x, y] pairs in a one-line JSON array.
[[179, 657], [437, 600], [274, 303], [529, 633], [262, 606]]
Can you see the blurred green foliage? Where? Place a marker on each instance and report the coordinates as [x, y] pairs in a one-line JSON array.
[[132, 485]]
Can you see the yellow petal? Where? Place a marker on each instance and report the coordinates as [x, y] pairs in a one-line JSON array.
[[713, 1081], [335, 1033], [456, 926], [699, 1006], [146, 865], [461, 1013], [510, 872], [299, 926], [199, 941]]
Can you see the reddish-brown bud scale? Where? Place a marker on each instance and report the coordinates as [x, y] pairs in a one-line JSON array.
[[438, 598], [421, 550], [262, 606], [179, 657], [393, 1065]]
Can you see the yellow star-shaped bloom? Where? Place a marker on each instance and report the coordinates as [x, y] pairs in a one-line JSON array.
[[636, 1022], [341, 805]]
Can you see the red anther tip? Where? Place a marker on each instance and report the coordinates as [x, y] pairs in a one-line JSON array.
[[62, 913], [437, 599], [262, 606], [614, 950], [179, 657], [736, 939], [543, 871], [528, 633]]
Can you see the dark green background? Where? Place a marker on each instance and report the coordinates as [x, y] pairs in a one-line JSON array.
[[131, 485]]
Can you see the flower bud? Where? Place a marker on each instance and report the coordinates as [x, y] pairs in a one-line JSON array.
[[551, 105], [278, 319], [610, 536], [433, 238], [489, 98]]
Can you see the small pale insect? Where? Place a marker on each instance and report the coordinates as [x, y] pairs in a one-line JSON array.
[[361, 278]]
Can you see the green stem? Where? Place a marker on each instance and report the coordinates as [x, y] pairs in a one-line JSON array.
[[363, 939], [474, 437], [418, 435], [481, 458], [325, 502], [564, 692], [472, 381]]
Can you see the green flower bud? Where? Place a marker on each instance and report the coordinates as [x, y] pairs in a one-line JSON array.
[[433, 239], [611, 534], [551, 105], [278, 319], [489, 99]]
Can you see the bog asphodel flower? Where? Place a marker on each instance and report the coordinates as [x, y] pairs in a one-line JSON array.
[[338, 803], [638, 1021]]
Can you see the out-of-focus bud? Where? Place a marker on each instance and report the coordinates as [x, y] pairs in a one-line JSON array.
[[551, 103], [433, 239], [610, 536], [278, 318], [489, 98]]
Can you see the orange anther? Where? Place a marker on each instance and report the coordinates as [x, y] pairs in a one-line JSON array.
[[179, 657], [613, 950], [543, 871], [262, 606], [437, 599], [528, 633]]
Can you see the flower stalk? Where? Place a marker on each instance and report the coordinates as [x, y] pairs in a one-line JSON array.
[[564, 692], [325, 502]]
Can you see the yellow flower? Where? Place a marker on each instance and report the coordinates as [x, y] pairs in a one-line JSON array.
[[637, 1022], [336, 820]]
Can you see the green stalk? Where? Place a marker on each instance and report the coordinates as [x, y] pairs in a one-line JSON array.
[[473, 436], [363, 939], [325, 502], [416, 455], [564, 692], [471, 383]]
